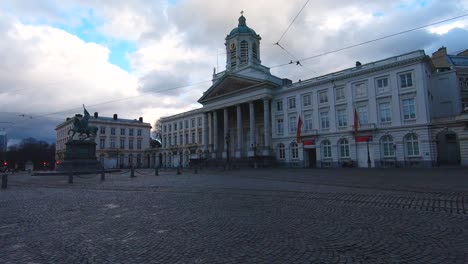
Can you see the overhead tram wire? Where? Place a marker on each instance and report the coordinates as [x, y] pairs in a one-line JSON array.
[[292, 22], [370, 41]]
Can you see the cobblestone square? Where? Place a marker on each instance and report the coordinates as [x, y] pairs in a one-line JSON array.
[[238, 216]]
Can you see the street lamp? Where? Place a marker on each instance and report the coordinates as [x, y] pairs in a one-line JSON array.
[[368, 154], [228, 139]]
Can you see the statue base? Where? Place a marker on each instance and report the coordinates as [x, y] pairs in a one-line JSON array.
[[80, 156]]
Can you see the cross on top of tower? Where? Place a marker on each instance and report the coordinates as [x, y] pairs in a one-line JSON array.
[[242, 12]]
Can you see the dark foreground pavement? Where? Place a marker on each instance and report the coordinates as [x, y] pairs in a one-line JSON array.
[[248, 216]]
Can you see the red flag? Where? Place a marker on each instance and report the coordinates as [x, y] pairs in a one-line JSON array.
[[298, 131], [356, 122]]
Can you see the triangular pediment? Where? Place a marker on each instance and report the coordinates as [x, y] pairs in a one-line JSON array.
[[229, 85]]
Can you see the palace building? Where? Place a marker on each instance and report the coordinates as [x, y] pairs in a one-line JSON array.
[[406, 110]]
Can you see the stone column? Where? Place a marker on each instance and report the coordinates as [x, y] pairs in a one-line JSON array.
[[239, 131], [266, 120], [215, 134], [252, 127], [205, 131], [226, 128]]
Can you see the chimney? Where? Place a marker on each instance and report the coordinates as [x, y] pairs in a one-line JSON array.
[[439, 58], [358, 64], [95, 114], [140, 119], [115, 116]]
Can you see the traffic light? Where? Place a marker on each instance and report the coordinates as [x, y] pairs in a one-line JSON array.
[[5, 163]]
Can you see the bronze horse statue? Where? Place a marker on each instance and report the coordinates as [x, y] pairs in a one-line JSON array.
[[81, 126]]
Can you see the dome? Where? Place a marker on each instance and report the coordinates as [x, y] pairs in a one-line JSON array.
[[242, 28]]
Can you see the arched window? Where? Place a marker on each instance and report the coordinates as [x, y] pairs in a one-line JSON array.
[[412, 145], [281, 151], [254, 51], [386, 143], [244, 52], [294, 151], [233, 57], [326, 149], [344, 148]]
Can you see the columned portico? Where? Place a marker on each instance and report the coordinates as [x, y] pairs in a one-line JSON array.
[[266, 122], [215, 134], [239, 131], [252, 128], [226, 131], [205, 133]]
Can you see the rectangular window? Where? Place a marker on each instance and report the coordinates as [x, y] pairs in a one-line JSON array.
[[186, 123], [169, 137], [323, 97], [342, 118], [193, 122], [102, 143], [306, 100], [385, 112], [102, 130], [292, 124], [308, 121], [292, 103], [181, 139], [382, 86], [130, 143], [199, 122], [193, 138], [122, 143], [139, 144], [164, 129], [406, 80], [175, 126], [360, 90], [130, 131], [175, 140], [339, 94], [200, 137], [139, 132], [122, 131], [186, 139], [409, 111], [279, 105], [112, 130], [324, 122], [170, 127], [112, 143], [180, 125], [362, 115], [279, 126]]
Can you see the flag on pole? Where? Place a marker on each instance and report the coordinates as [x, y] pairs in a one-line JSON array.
[[298, 131], [356, 122]]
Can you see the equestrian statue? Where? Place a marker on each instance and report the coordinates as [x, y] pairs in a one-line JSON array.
[[80, 126]]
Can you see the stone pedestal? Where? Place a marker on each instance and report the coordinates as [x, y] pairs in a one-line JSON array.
[[80, 156]]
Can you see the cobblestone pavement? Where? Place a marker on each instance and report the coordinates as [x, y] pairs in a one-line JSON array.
[[242, 216]]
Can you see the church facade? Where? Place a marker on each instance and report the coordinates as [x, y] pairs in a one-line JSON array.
[[377, 114]]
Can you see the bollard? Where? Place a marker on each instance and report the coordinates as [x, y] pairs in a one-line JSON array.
[[132, 173], [156, 171], [103, 175], [70, 178], [4, 181], [196, 170], [178, 170]]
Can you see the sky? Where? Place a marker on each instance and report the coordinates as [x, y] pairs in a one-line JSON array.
[[151, 59]]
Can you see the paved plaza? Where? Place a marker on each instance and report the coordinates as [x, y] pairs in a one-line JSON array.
[[238, 216]]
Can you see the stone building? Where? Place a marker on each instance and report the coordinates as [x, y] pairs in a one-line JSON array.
[[120, 143], [375, 114]]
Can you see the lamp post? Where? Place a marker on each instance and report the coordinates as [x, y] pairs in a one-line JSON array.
[[394, 154], [228, 139], [369, 163], [254, 148]]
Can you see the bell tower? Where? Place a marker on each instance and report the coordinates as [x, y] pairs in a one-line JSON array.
[[242, 47]]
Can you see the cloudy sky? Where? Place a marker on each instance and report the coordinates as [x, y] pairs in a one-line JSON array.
[[128, 57]]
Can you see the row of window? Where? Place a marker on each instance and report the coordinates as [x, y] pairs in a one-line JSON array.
[[130, 159], [360, 90], [411, 144], [102, 131], [179, 125], [113, 143], [384, 116], [172, 140]]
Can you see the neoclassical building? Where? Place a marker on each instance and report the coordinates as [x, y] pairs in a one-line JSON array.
[[372, 115]]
